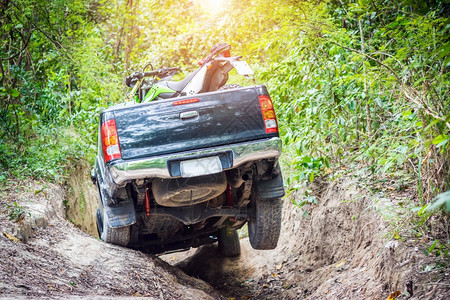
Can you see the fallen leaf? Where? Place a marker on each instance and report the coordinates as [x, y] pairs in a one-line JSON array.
[[394, 295], [341, 264], [20, 218], [11, 237]]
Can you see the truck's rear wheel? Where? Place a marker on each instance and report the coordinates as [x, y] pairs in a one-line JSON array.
[[229, 244], [99, 222], [118, 236], [264, 227]]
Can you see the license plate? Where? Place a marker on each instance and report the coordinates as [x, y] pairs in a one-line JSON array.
[[200, 166], [242, 67]]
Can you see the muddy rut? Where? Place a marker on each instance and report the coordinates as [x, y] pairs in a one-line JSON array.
[[337, 252]]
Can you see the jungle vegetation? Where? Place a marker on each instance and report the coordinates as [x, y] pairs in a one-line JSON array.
[[361, 86]]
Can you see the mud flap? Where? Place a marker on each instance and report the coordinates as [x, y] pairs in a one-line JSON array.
[[271, 189], [121, 215]]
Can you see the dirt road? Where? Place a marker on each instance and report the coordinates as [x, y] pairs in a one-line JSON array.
[[337, 252], [55, 259]]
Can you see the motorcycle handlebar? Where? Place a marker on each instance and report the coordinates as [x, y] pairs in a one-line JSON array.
[[133, 78], [223, 58], [159, 72]]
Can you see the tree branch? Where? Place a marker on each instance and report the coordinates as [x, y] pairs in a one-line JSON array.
[[427, 110], [21, 50], [366, 55]]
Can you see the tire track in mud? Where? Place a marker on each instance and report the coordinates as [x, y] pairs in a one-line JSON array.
[[252, 275]]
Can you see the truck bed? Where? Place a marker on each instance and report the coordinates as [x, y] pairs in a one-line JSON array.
[[188, 123]]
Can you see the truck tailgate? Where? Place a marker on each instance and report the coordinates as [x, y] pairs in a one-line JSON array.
[[169, 126]]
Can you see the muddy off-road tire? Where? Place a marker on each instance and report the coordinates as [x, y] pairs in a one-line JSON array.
[[264, 228], [188, 191], [229, 244], [99, 222], [118, 236]]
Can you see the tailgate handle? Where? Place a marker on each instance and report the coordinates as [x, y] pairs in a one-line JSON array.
[[189, 115]]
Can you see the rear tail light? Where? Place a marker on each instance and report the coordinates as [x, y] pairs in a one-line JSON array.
[[268, 113], [110, 141]]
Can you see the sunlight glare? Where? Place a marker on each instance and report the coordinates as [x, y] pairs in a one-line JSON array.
[[213, 7]]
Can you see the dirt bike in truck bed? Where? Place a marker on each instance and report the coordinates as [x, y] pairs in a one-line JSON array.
[[192, 167]]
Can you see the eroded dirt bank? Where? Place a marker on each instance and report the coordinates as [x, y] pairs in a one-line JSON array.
[[57, 260], [81, 199], [338, 252]]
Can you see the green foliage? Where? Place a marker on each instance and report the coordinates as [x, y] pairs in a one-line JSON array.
[[308, 167], [31, 158], [369, 87], [440, 200], [438, 249], [307, 199], [15, 212], [54, 80]]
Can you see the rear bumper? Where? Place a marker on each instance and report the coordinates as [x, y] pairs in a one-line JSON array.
[[122, 171]]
